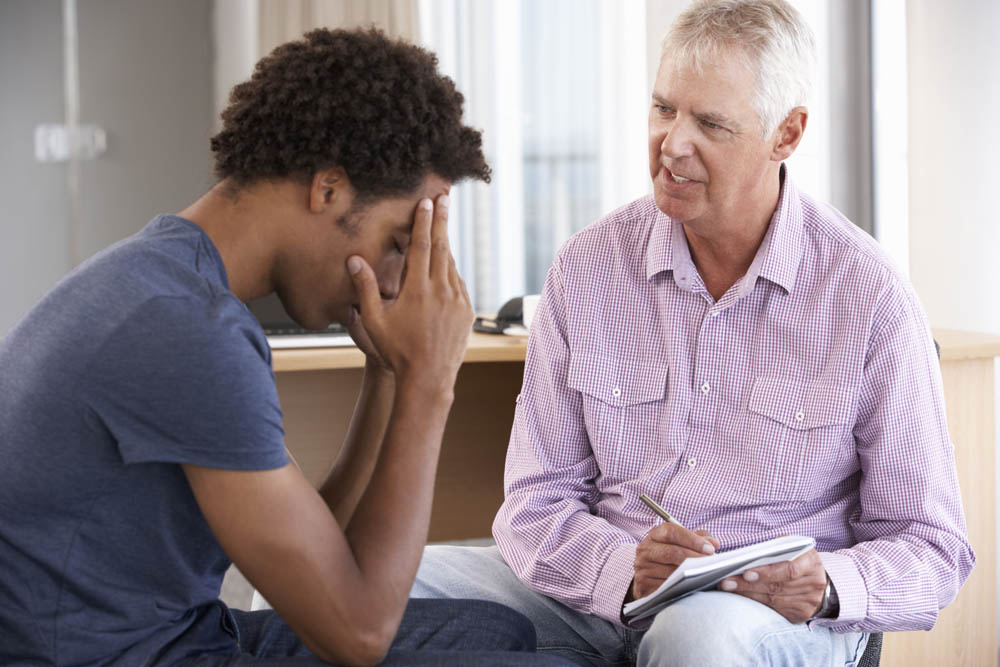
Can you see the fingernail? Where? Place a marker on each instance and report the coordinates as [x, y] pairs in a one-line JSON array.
[[425, 204], [444, 201], [728, 585], [708, 548], [750, 575], [353, 265]]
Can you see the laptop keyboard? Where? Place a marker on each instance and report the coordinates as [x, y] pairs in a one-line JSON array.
[[335, 328]]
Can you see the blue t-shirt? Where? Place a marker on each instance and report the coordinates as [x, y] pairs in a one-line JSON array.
[[139, 360]]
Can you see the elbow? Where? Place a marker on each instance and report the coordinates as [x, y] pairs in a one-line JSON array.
[[365, 647], [369, 647]]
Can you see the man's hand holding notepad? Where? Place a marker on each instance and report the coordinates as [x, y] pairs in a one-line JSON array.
[[697, 574]]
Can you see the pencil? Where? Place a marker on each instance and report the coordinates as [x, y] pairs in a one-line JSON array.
[[664, 514]]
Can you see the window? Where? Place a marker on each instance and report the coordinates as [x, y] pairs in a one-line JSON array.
[[560, 89]]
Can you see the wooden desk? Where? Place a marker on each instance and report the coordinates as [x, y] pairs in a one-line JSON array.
[[966, 632], [318, 389]]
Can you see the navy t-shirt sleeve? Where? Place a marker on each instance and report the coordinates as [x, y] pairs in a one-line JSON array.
[[186, 380]]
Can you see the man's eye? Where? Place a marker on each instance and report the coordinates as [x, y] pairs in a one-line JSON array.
[[710, 125], [400, 249]]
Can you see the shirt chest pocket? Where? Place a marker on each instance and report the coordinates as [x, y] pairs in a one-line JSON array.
[[624, 413], [800, 436]]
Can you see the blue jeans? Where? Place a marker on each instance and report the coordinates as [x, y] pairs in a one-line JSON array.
[[432, 632], [708, 628]]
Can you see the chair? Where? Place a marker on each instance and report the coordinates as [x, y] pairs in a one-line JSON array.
[[873, 651]]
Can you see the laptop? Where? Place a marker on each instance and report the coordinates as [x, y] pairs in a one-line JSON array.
[[284, 333]]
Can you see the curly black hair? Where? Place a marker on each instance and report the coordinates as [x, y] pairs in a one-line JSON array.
[[356, 99]]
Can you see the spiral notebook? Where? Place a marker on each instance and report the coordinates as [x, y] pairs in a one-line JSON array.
[[697, 574]]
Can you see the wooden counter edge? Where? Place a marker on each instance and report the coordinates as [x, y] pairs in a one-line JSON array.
[[955, 345], [482, 348]]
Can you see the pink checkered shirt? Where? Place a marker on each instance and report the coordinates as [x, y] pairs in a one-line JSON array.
[[807, 401]]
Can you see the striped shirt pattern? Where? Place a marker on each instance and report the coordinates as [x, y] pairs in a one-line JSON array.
[[807, 400]]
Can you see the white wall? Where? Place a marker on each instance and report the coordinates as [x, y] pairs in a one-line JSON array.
[[954, 95], [954, 139], [146, 78]]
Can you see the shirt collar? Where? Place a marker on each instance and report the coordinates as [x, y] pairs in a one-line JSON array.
[[776, 260], [780, 253]]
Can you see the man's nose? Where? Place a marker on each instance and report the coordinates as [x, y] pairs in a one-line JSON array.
[[677, 140], [389, 283]]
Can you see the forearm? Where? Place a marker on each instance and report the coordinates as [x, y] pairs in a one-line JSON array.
[[352, 471], [389, 528], [897, 583], [558, 548]]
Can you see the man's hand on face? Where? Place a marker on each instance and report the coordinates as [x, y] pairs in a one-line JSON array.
[[794, 588], [356, 329], [663, 549], [421, 334]]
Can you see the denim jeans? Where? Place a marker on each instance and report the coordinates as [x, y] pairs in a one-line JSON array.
[[432, 632], [707, 628]]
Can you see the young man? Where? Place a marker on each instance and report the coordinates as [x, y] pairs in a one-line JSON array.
[[139, 422], [755, 364]]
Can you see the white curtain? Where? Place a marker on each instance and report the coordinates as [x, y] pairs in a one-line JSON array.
[[560, 90], [284, 20]]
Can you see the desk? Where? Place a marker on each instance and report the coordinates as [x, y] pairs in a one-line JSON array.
[[318, 388]]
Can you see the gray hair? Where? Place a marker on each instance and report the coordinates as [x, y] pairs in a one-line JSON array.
[[768, 37]]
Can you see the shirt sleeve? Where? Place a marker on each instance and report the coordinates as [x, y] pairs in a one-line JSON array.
[[545, 528], [912, 554], [184, 380]]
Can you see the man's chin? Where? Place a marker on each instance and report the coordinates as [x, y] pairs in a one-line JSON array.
[[676, 209]]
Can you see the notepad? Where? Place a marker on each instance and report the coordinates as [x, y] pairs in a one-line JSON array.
[[697, 574]]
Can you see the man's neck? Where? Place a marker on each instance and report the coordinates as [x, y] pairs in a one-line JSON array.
[[723, 251], [238, 225]]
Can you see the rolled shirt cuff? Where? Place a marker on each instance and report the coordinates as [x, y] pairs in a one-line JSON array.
[[851, 591], [613, 583]]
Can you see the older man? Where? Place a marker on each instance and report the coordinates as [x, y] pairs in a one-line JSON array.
[[750, 359]]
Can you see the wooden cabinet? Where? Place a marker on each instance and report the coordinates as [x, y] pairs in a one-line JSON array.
[[966, 631], [318, 389]]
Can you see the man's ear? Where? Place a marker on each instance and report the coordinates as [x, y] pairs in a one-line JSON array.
[[328, 188], [789, 134]]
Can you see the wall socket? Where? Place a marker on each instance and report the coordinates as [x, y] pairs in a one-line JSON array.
[[53, 143]]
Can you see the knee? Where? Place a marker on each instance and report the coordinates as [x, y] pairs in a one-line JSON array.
[[678, 638], [476, 624], [456, 572], [515, 631], [708, 628]]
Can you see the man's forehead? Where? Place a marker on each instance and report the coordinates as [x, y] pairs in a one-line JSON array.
[[723, 90]]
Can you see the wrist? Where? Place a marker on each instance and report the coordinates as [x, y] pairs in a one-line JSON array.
[[425, 391], [829, 606], [378, 371]]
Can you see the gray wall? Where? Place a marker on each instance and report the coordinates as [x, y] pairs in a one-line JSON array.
[[146, 78]]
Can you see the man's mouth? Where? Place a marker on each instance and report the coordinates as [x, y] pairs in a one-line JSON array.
[[675, 178]]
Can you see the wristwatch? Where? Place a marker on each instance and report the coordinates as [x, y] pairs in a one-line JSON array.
[[830, 606]]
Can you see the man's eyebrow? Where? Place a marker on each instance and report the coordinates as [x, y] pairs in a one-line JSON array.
[[709, 116], [716, 118]]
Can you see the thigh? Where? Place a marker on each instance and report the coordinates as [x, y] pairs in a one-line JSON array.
[[718, 628], [431, 632], [481, 573], [463, 625]]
